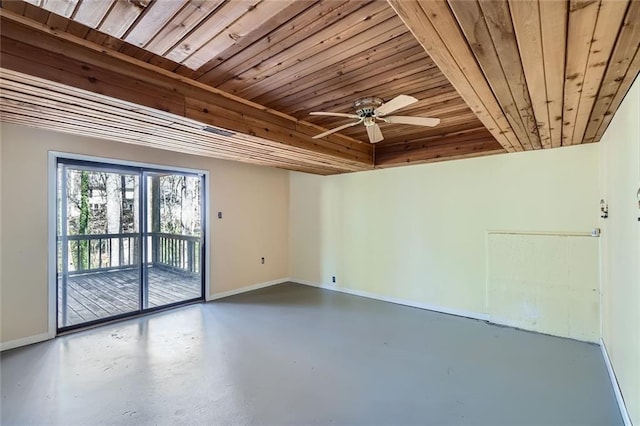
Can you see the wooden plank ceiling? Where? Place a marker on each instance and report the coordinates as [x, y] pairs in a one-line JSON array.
[[541, 74], [502, 76]]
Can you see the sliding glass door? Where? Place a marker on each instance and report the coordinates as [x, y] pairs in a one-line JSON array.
[[173, 237], [98, 245], [130, 240]]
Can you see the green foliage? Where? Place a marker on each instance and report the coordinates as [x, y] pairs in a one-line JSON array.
[[84, 219], [84, 202], [82, 261]]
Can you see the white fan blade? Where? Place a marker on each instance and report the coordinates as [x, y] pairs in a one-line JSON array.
[[394, 104], [337, 129], [335, 114], [374, 133], [416, 121]]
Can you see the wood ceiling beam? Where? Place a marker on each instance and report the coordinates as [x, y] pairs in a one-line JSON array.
[[36, 50], [36, 102]]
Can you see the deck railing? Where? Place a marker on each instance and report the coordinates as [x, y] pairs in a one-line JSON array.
[[101, 252], [180, 252]]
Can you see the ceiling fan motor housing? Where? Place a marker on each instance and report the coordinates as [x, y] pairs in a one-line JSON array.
[[365, 107]]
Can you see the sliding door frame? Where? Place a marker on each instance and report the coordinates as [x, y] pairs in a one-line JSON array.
[[120, 166]]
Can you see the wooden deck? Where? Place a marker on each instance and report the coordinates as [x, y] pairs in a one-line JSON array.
[[99, 295]]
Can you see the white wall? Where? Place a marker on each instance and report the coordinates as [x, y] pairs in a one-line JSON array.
[[620, 178], [545, 282], [419, 233], [254, 201]]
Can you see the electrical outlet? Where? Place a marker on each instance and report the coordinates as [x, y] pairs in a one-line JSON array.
[[262, 260], [333, 279]]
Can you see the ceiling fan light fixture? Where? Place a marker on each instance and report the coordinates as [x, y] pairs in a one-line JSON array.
[[369, 121]]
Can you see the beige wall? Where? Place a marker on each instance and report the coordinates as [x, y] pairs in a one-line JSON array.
[[620, 178], [254, 202], [419, 233]]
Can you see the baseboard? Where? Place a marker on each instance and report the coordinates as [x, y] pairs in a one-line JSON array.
[[397, 301], [616, 387], [311, 284], [224, 294], [12, 344]]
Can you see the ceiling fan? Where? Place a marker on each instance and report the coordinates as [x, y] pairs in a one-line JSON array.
[[371, 109]]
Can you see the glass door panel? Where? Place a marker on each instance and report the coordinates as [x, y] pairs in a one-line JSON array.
[[173, 239], [99, 273]]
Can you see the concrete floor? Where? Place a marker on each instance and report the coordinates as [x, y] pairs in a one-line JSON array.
[[296, 355]]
